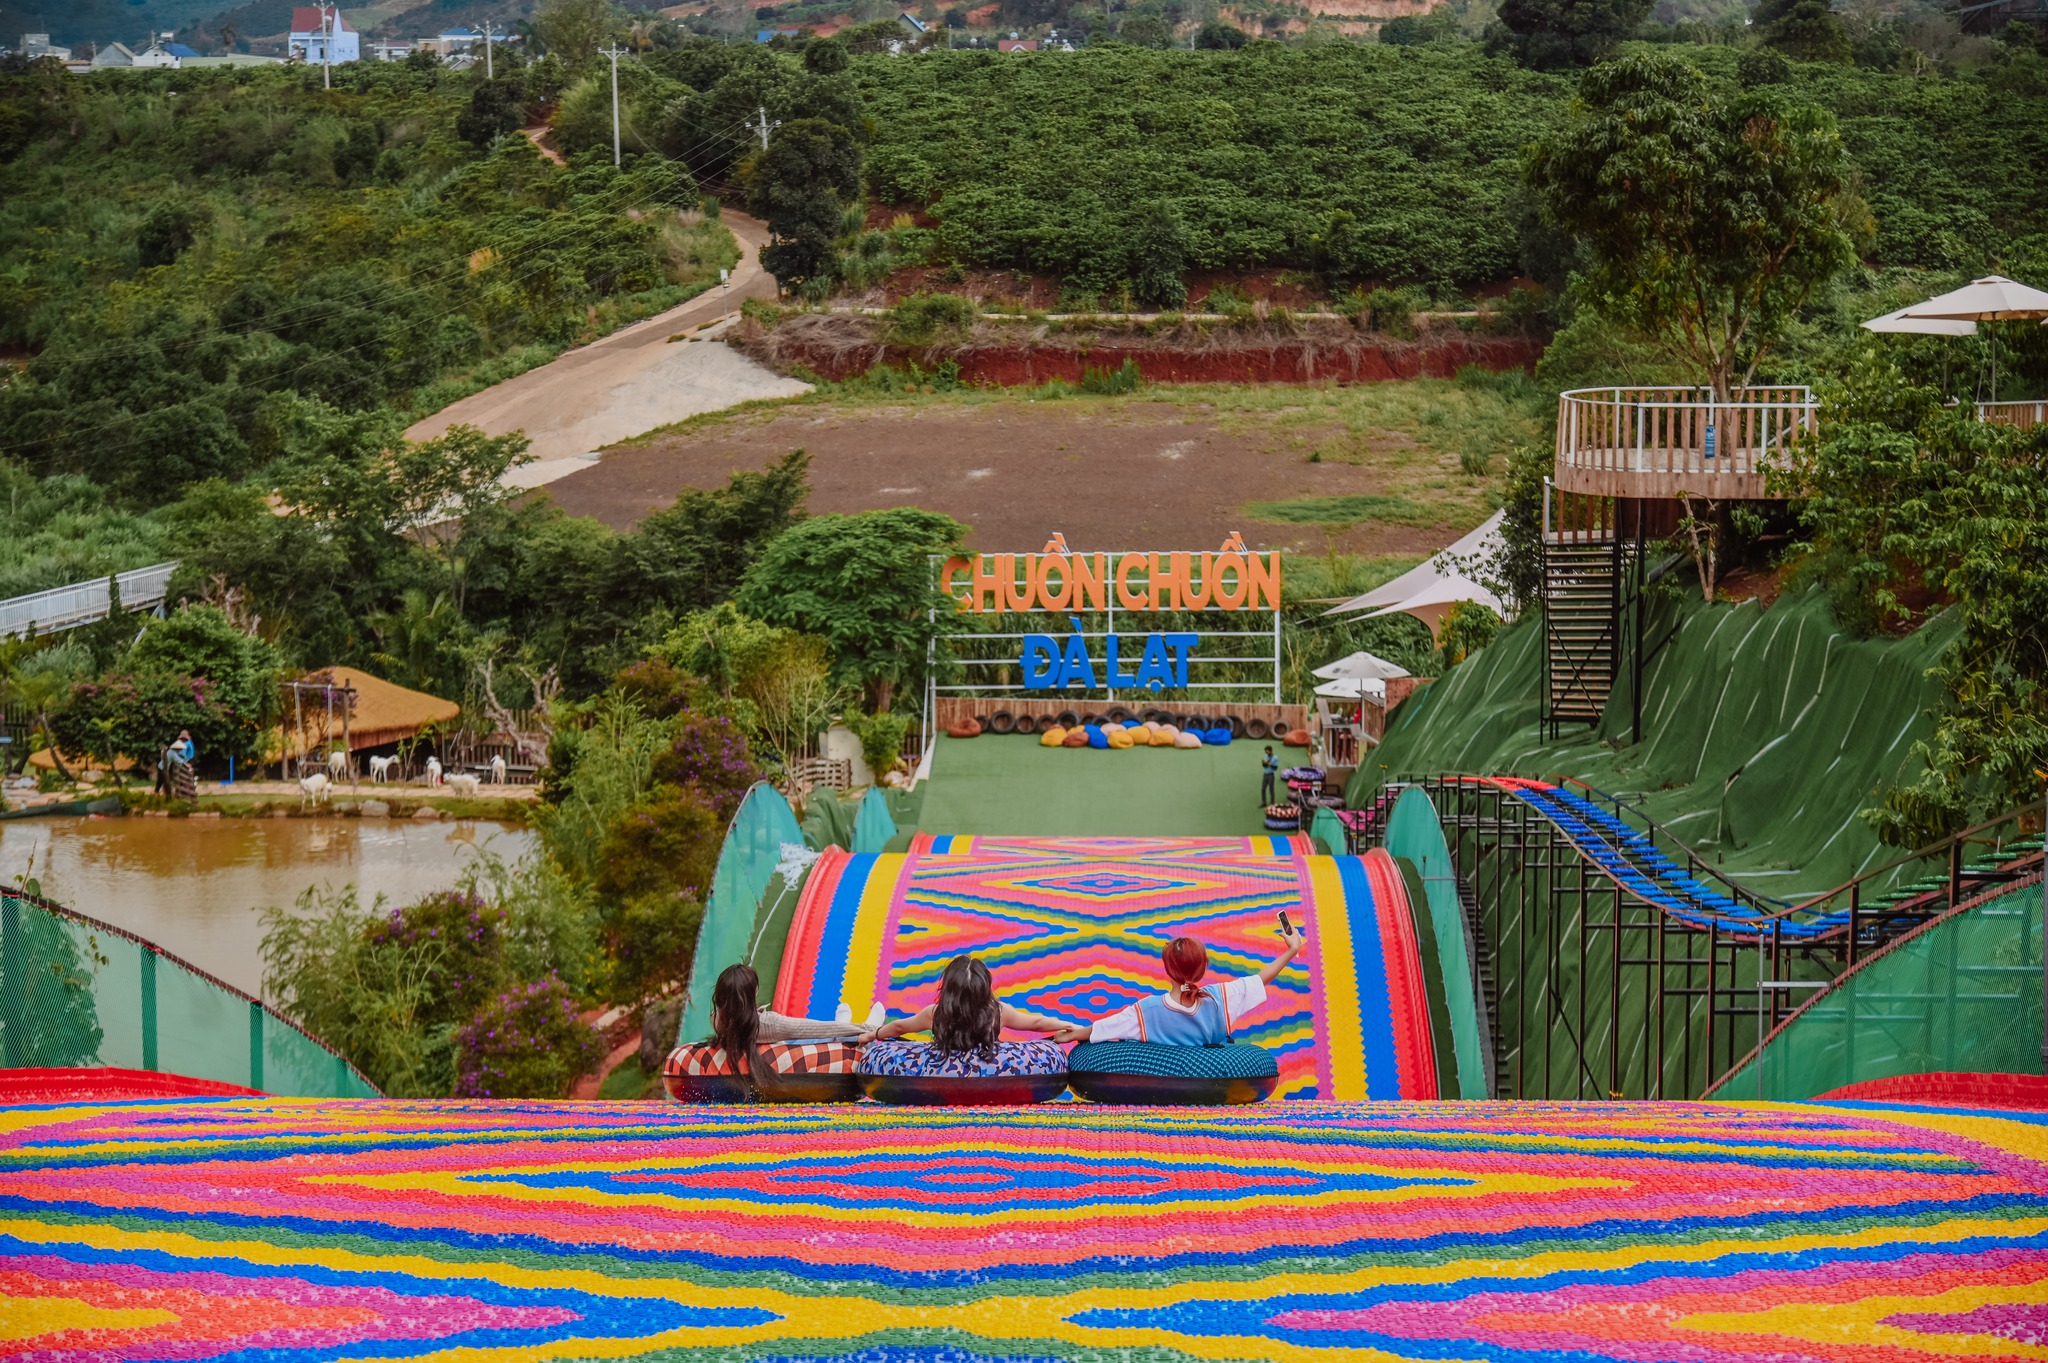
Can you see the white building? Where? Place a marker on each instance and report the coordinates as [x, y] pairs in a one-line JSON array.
[[35, 45], [157, 55], [321, 37]]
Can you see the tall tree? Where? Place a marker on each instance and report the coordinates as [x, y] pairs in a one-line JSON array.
[[1704, 217], [573, 30], [801, 184], [1547, 34], [863, 584]]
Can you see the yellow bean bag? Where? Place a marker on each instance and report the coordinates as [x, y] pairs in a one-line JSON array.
[[1052, 738], [1118, 738], [1187, 741], [1162, 736]]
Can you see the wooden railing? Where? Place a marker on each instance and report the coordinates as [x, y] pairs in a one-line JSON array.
[[1669, 442], [2023, 415]]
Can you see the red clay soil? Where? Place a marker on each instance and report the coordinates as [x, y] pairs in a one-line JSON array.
[[1133, 474], [1279, 362]]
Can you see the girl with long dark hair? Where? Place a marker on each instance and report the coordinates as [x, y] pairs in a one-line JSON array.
[[968, 1018], [740, 1026]]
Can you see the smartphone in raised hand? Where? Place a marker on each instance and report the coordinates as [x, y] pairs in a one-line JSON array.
[[1287, 929]]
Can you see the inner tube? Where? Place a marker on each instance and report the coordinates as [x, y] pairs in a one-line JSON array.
[[1236, 725], [1067, 719], [1256, 728], [996, 1090], [1002, 722], [1147, 1073], [1117, 714], [1026, 724]]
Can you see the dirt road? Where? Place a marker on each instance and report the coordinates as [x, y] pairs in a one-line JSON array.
[[631, 381]]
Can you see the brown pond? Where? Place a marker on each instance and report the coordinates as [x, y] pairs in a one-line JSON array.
[[194, 887]]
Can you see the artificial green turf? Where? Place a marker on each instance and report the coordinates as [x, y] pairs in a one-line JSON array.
[[1009, 785]]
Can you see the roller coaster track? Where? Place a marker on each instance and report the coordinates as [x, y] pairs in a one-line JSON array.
[[1622, 964]]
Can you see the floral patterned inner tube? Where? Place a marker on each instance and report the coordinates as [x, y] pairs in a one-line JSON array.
[[916, 1072], [792, 1072], [1148, 1073]]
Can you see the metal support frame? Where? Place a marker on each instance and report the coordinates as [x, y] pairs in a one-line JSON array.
[[1567, 947]]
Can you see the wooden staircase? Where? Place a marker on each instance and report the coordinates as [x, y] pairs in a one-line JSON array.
[[1581, 629]]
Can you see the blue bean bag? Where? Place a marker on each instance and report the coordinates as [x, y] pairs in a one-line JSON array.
[[1217, 737], [918, 1073], [1149, 1073], [1097, 738]]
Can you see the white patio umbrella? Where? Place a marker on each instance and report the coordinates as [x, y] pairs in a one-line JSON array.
[[1360, 666], [1993, 298], [1373, 689], [1899, 323]]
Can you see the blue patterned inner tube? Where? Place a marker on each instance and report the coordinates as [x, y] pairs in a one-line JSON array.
[[920, 1074], [1146, 1073]]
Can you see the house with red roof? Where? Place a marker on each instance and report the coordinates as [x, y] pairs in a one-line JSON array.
[[321, 37]]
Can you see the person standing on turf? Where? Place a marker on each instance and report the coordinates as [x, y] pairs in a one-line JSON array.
[[1272, 774]]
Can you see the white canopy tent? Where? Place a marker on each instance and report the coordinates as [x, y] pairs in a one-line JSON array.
[[1370, 689], [1359, 666], [1429, 590]]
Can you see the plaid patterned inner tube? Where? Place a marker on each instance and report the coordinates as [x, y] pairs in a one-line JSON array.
[[792, 1071]]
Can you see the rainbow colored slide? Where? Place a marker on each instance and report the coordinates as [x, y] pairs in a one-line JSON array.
[[1073, 927]]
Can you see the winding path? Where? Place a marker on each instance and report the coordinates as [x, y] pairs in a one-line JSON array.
[[628, 383]]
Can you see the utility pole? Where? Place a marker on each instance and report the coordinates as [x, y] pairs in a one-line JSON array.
[[763, 127], [326, 48], [614, 53], [489, 74]]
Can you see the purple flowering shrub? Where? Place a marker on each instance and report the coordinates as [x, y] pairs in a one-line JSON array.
[[526, 1042], [463, 937], [708, 754]]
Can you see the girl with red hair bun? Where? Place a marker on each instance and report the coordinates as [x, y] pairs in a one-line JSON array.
[[1191, 1013]]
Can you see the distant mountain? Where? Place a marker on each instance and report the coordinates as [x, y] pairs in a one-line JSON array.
[[73, 23]]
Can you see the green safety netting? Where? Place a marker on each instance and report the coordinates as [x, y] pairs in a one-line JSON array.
[[76, 992], [747, 861], [1415, 835], [873, 829], [1963, 994], [1765, 732]]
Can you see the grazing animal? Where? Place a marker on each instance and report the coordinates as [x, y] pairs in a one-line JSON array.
[[337, 764], [380, 769], [433, 771], [497, 771], [462, 783], [314, 787]]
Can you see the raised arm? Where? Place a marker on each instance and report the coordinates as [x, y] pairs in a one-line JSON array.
[[1291, 945], [920, 1021]]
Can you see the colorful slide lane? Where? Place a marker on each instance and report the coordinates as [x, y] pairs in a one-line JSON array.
[[307, 1231], [1073, 927]]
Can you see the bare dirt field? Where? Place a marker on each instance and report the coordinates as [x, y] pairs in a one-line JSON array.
[[1372, 469], [1013, 471]]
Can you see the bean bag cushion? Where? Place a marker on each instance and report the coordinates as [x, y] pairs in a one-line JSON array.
[[1147, 1072], [1052, 738], [791, 1072], [1096, 738], [1217, 737], [916, 1072], [1163, 736], [1186, 740], [1118, 738], [965, 728], [1076, 738], [1297, 739]]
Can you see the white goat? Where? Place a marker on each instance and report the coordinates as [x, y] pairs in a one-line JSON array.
[[380, 769], [433, 771], [462, 783], [314, 788], [337, 764], [498, 771]]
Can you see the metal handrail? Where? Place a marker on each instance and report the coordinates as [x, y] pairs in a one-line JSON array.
[[81, 603]]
